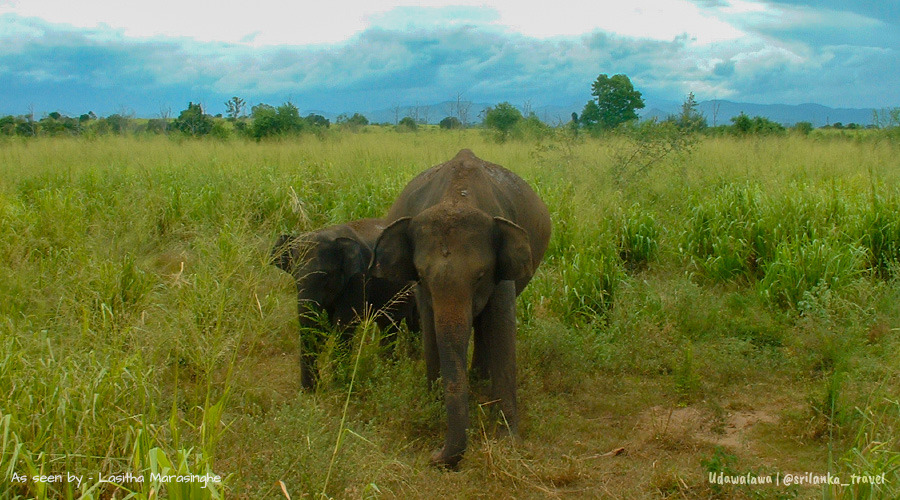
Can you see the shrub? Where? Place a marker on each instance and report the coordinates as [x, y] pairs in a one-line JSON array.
[[450, 122], [354, 123], [758, 125], [802, 128], [407, 124]]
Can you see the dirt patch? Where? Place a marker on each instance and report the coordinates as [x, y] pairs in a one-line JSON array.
[[737, 427], [731, 429]]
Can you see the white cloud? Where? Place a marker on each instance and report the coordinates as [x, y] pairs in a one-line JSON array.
[[492, 52], [753, 16], [275, 22], [651, 19]]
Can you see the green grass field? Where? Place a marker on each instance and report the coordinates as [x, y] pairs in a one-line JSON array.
[[730, 307]]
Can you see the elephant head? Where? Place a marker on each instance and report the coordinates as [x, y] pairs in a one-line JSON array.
[[325, 267], [329, 269], [460, 253]]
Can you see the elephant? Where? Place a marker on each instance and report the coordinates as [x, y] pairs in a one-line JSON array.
[[472, 234], [331, 270]]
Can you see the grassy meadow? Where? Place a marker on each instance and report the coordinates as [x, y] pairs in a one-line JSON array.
[[729, 306]]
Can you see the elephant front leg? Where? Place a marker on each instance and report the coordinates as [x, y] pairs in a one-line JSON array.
[[307, 359], [497, 324], [307, 340], [307, 377]]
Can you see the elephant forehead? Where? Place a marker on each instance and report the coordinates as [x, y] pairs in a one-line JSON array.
[[450, 218]]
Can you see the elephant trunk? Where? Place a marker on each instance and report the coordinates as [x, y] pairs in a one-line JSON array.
[[452, 329]]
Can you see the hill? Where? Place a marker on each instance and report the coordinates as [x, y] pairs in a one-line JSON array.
[[719, 112]]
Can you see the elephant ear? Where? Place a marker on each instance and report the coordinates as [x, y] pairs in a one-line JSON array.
[[513, 251], [394, 253], [355, 256], [283, 253]]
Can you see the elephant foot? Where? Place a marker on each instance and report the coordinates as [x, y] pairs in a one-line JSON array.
[[441, 458], [308, 384]]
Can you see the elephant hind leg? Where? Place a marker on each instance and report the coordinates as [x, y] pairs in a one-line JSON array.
[[481, 354]]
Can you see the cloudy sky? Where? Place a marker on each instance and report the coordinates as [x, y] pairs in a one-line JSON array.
[[349, 55]]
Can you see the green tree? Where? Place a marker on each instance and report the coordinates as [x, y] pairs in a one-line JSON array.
[[269, 121], [502, 118], [317, 120], [193, 121], [590, 116], [689, 118], [8, 125], [617, 100], [234, 108], [287, 119], [263, 121]]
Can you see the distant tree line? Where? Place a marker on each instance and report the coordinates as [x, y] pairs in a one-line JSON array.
[[193, 121], [612, 109]]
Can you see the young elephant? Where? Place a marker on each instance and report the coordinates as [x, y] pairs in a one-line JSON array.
[[473, 234], [331, 269]]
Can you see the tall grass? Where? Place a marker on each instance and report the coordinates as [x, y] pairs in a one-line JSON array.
[[794, 243]]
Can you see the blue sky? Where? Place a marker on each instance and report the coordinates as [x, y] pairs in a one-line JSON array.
[[112, 56]]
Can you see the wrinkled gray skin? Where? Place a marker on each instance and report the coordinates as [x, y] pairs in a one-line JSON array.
[[330, 267], [472, 233]]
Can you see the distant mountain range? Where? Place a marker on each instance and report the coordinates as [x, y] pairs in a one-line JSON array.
[[717, 112], [720, 112]]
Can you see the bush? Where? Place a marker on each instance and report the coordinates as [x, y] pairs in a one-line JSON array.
[[532, 128], [354, 123], [450, 122], [407, 124], [802, 128], [502, 118], [758, 125]]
